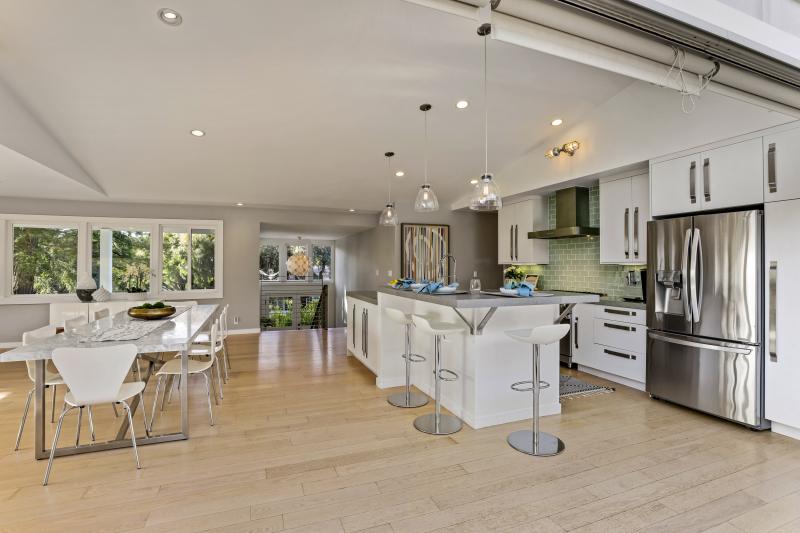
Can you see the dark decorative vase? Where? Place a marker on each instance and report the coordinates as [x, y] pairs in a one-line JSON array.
[[85, 295]]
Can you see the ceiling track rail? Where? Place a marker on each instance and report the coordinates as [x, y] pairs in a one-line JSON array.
[[677, 33]]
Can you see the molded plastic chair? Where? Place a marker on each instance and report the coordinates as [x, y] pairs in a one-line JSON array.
[[536, 442], [102, 313], [222, 336], [96, 376], [72, 324]]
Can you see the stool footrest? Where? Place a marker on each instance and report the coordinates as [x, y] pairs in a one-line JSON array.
[[414, 357], [447, 375], [518, 386]]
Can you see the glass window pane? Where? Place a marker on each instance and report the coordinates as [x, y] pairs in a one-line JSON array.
[[45, 260], [278, 312], [321, 262], [202, 259], [308, 310], [269, 262], [297, 262], [121, 260], [175, 260]]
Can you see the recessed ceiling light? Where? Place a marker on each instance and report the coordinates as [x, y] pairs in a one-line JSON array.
[[170, 16], [557, 122], [473, 182], [352, 210], [399, 173], [198, 133], [462, 104], [239, 204]]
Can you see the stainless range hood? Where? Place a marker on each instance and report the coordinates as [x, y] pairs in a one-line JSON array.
[[572, 216]]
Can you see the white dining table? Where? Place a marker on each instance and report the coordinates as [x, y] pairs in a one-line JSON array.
[[176, 334]]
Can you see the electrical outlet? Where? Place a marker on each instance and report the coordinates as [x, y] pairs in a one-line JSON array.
[[236, 321], [388, 273]]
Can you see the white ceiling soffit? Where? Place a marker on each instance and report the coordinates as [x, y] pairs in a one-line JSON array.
[[555, 29], [299, 100]]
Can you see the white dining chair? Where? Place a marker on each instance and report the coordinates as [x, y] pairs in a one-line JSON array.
[[71, 324], [172, 368], [51, 379], [221, 347], [97, 376], [102, 313]]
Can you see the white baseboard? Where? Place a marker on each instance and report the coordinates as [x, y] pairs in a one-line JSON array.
[[389, 383], [788, 431], [638, 385], [243, 331]]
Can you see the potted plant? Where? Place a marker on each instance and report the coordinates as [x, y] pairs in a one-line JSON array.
[[513, 275]]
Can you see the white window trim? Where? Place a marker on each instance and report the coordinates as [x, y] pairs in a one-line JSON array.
[[283, 245], [85, 226]]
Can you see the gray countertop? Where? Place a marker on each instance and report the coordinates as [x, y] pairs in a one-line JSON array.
[[472, 301], [613, 302], [367, 296]]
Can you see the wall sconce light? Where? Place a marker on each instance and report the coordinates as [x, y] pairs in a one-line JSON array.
[[568, 148]]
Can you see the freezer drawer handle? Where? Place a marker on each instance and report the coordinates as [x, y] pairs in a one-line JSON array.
[[617, 326], [707, 179], [773, 311], [617, 312], [772, 180], [619, 354], [701, 345], [692, 180]]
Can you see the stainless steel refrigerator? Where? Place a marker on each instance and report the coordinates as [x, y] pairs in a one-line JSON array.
[[704, 314]]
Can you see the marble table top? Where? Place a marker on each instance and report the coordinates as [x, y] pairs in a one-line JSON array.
[[175, 335]]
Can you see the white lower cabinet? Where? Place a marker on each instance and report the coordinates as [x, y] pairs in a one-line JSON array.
[[363, 337], [782, 364], [611, 341]]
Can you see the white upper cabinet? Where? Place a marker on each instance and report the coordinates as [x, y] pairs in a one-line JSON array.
[[674, 186], [733, 175], [624, 212], [782, 166], [728, 176], [514, 221]]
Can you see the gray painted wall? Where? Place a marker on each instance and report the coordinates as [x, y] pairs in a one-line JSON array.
[[240, 253], [363, 260]]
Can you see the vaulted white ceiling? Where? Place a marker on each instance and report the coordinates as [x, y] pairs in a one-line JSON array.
[[299, 99]]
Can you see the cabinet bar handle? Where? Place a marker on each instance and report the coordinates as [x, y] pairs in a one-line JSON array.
[[707, 179], [636, 232], [576, 332], [625, 233], [353, 318], [619, 354], [618, 312], [617, 326], [516, 242], [511, 240], [773, 311], [692, 180], [772, 180]]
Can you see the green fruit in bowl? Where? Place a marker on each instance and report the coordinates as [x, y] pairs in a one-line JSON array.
[[146, 305], [159, 305]]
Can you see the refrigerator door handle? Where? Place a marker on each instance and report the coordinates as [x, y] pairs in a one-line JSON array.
[[685, 281], [773, 311], [725, 347], [696, 268]]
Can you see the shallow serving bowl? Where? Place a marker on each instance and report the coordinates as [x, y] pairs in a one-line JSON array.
[[151, 314]]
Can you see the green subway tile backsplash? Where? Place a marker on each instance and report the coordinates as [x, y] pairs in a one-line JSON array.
[[575, 263]]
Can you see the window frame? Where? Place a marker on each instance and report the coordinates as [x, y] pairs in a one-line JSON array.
[[85, 226], [283, 248]]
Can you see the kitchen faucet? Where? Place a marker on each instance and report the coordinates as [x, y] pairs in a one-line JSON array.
[[442, 262]]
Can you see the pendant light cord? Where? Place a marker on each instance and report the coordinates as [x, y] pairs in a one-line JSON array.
[[389, 164], [485, 108], [426, 148]]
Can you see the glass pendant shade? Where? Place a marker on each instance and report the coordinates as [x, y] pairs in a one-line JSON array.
[[388, 215], [426, 200], [485, 195]]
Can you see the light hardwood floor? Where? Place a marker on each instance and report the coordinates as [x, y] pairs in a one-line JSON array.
[[305, 442]]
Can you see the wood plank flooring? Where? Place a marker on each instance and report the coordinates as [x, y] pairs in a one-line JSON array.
[[305, 442]]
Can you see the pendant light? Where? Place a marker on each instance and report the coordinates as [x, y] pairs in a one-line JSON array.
[[485, 195], [389, 214], [426, 199]]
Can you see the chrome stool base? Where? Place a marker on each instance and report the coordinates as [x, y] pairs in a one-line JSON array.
[[448, 424], [549, 445], [407, 401]]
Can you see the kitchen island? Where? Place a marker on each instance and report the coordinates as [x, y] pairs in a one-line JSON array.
[[486, 360]]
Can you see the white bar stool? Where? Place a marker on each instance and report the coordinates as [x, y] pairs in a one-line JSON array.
[[407, 399], [536, 442], [436, 423]]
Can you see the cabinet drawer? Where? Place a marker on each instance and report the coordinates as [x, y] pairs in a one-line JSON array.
[[625, 363], [621, 314], [623, 335]]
